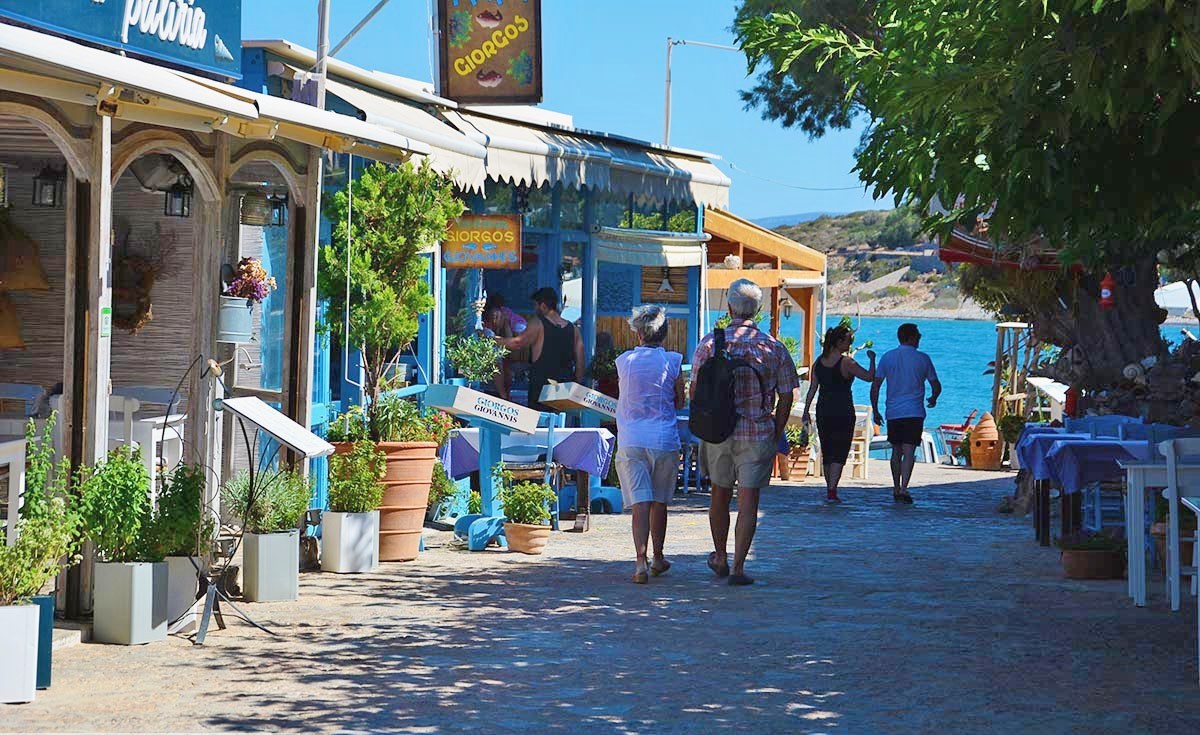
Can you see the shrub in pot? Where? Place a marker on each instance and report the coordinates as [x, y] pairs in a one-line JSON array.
[[474, 358], [181, 533], [1093, 555], [130, 597], [526, 512], [350, 530], [271, 510], [441, 491], [1011, 427], [46, 542]]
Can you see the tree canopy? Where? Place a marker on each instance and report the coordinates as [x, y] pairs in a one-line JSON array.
[[1074, 117]]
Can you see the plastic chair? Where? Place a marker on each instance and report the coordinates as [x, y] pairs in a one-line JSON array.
[[536, 461], [1175, 450]]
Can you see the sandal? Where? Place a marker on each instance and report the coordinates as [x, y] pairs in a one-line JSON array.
[[641, 578], [740, 580], [903, 498], [721, 570], [658, 571]]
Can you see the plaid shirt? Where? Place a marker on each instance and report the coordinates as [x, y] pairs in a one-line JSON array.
[[767, 355]]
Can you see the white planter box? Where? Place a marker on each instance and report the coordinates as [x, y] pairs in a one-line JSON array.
[[130, 603], [19, 644], [350, 542], [271, 566], [182, 585], [573, 398], [235, 320]]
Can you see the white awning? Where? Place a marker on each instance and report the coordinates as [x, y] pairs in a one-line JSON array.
[[162, 89], [533, 156], [319, 128], [1174, 299], [664, 176], [452, 150], [649, 247]]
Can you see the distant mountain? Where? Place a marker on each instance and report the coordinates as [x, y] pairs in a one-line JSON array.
[[787, 220]]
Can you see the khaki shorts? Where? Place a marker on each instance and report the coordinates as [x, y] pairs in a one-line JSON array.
[[647, 475], [739, 462]]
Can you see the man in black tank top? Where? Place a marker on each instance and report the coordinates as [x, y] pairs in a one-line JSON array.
[[557, 347]]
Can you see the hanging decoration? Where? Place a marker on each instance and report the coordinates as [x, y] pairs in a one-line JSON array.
[[256, 209], [1108, 286], [20, 264], [10, 325], [135, 271]]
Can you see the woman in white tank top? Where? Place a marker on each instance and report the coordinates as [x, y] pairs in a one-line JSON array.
[[651, 390]]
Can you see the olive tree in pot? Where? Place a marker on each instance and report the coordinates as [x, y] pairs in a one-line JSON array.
[[350, 530], [46, 542], [526, 512], [271, 509], [130, 598], [373, 277], [181, 533], [476, 359]]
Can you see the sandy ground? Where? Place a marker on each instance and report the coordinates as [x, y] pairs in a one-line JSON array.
[[867, 618]]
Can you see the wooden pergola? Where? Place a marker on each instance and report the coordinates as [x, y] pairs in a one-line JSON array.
[[773, 262]]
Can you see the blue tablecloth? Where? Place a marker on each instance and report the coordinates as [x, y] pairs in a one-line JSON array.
[[586, 450], [1074, 464], [1032, 449]]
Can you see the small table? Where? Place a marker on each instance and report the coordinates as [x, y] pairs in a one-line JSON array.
[[12, 453], [1142, 476], [1032, 449]]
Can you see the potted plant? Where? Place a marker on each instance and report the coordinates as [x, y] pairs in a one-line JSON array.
[[603, 370], [182, 533], [350, 530], [130, 598], [408, 438], [526, 512], [1093, 555], [476, 359], [246, 285], [271, 510], [1011, 427], [441, 491], [962, 450]]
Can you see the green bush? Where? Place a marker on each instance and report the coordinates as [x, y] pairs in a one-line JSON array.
[[797, 436], [179, 526], [279, 501], [349, 427], [475, 358], [114, 504], [1011, 427], [398, 419], [528, 503], [442, 487], [354, 479], [45, 543]]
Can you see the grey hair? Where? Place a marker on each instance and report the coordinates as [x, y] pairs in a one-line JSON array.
[[745, 298], [650, 322]]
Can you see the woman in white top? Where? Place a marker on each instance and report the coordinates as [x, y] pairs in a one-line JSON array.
[[651, 390]]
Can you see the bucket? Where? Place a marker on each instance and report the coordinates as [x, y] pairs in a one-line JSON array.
[[235, 320]]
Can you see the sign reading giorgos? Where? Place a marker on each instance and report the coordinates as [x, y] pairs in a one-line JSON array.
[[202, 34], [483, 241], [491, 51]]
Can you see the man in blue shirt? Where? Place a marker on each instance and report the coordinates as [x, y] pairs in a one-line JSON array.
[[905, 370]]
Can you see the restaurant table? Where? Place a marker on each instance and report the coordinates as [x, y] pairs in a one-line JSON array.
[[12, 453], [1141, 476], [1031, 452], [1074, 464], [587, 450]]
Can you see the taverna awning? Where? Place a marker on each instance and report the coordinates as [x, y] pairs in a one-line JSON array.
[[649, 247]]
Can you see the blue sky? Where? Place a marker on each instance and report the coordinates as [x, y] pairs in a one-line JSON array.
[[604, 64]]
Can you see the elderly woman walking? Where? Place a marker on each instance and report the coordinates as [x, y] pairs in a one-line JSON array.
[[651, 389]]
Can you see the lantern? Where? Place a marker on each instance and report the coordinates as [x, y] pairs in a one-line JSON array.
[[48, 187], [178, 200], [256, 209], [1107, 284]]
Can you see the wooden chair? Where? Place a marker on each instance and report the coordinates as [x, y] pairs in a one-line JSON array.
[[860, 446], [1176, 452]]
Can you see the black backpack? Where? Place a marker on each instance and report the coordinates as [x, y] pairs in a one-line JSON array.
[[714, 414]]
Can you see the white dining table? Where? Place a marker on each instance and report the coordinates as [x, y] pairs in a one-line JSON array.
[[1140, 477], [12, 453]]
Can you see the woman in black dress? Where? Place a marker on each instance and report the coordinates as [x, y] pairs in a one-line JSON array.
[[834, 373]]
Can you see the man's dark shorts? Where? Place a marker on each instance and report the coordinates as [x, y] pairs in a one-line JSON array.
[[905, 431]]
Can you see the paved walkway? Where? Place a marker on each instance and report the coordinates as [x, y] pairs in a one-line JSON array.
[[868, 618]]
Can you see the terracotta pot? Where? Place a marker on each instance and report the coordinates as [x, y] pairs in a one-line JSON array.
[[406, 481], [525, 538], [1079, 564], [1158, 532], [799, 461]]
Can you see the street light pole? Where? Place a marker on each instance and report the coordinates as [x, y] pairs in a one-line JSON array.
[[671, 44], [322, 50]]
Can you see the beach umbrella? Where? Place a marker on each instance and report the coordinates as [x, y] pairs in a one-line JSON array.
[[1173, 298]]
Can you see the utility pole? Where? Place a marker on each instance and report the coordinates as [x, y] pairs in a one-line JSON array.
[[322, 50], [671, 44]]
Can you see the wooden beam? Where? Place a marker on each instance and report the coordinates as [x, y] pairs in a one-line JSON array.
[[810, 326], [764, 277], [775, 312], [719, 223]]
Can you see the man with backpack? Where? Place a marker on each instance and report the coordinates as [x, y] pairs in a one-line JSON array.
[[741, 398]]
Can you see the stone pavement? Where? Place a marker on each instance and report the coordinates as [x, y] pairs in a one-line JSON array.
[[867, 618]]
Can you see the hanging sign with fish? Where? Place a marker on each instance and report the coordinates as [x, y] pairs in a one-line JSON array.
[[491, 51]]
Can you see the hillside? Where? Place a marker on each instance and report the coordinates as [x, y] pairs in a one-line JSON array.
[[880, 264]]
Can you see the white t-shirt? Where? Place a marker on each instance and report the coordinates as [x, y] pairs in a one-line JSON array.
[[646, 407]]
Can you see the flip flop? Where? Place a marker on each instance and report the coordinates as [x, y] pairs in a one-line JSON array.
[[739, 580], [641, 578], [832, 500], [721, 570], [903, 498], [659, 571]]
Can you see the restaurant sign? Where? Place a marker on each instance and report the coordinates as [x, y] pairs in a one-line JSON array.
[[491, 51], [205, 35], [490, 241]]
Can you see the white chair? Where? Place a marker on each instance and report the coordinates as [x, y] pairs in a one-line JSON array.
[[156, 433], [1175, 451]]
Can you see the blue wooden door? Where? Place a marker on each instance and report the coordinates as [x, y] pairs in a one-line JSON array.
[[321, 400]]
